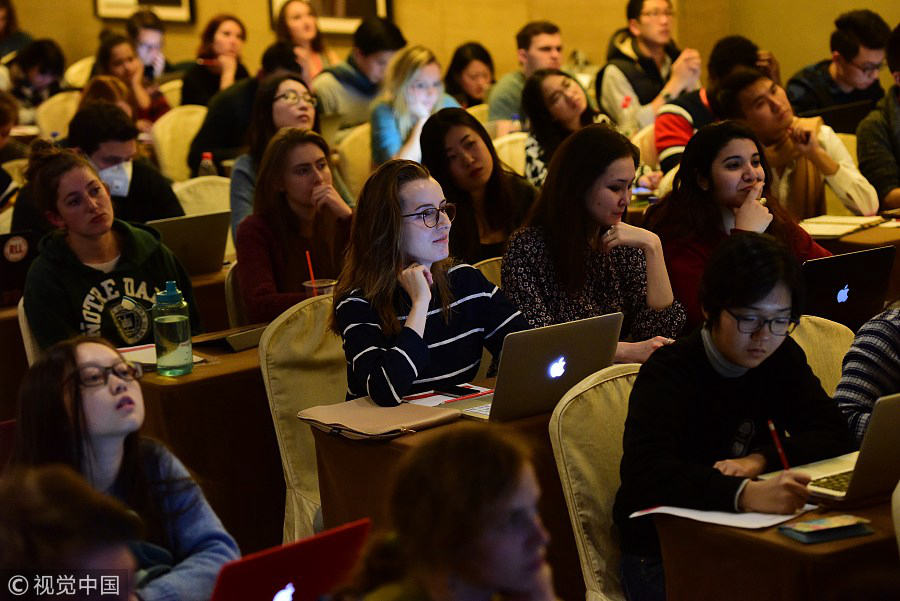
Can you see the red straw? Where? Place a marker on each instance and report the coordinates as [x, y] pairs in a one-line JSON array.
[[312, 276]]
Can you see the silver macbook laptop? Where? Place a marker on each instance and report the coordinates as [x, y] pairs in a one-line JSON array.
[[870, 473], [537, 367], [848, 288], [197, 240]]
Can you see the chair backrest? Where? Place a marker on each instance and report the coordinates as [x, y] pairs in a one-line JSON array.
[[833, 204], [7, 441], [645, 140], [234, 304], [825, 343], [6, 215], [480, 112], [586, 434], [355, 157], [16, 170], [53, 115], [895, 511], [79, 72], [172, 136], [303, 365], [511, 150], [172, 91], [490, 268], [32, 350], [206, 194]]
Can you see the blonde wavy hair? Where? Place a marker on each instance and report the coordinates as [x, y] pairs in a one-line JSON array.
[[404, 66]]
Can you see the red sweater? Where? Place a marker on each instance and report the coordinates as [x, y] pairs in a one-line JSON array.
[[270, 277], [686, 260]]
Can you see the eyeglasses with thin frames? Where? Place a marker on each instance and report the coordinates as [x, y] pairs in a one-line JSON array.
[[868, 69], [295, 98], [658, 14], [751, 324], [91, 376], [431, 216]]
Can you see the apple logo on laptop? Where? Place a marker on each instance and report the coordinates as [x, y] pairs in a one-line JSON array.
[[557, 368], [285, 594], [843, 294]]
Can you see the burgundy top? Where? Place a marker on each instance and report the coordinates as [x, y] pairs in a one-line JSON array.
[[270, 276]]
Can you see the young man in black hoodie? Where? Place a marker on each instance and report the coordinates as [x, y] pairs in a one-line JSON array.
[[645, 68]]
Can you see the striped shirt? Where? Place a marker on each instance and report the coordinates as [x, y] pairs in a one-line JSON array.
[[871, 370], [386, 368]]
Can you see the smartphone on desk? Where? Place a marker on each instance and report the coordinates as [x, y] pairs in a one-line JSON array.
[[455, 391]]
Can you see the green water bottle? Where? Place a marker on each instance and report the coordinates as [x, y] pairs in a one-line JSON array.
[[172, 332]]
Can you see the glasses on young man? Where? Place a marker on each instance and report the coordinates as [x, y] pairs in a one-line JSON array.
[[292, 97], [91, 376], [431, 216], [751, 324], [869, 69], [659, 13]]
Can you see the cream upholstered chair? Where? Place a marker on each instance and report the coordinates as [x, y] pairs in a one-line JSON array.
[[490, 268], [586, 433], [825, 343], [6, 220], [79, 72], [32, 350], [833, 205], [172, 91], [234, 304], [303, 366], [511, 150], [172, 136], [645, 140], [206, 194], [16, 170], [53, 115], [895, 511], [480, 112], [355, 157]]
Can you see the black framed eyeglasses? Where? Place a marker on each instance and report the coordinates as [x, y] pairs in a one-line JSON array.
[[91, 376], [432, 216], [295, 98], [751, 324]]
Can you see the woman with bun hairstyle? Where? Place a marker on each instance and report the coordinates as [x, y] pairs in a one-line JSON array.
[[218, 60], [95, 275], [410, 319]]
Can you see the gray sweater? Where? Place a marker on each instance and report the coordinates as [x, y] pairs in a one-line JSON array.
[[878, 144]]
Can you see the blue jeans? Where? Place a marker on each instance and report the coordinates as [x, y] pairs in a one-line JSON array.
[[643, 578]]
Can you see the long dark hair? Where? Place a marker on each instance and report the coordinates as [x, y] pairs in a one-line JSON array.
[[465, 54], [501, 210], [689, 211], [51, 428], [262, 125], [208, 35], [546, 130], [108, 41], [283, 33], [374, 257], [561, 209]]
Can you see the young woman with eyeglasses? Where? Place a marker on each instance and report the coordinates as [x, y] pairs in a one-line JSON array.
[[723, 187], [412, 91], [281, 101], [410, 319], [697, 431], [81, 405], [296, 209]]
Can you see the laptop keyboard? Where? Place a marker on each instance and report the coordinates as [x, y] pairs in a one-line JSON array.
[[480, 409], [839, 482]]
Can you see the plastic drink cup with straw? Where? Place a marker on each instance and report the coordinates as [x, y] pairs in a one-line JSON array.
[[316, 287]]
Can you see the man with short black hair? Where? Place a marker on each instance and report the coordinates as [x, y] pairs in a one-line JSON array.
[[677, 121], [539, 46], [348, 88], [851, 74], [108, 138], [224, 130], [878, 136], [804, 154], [645, 68]]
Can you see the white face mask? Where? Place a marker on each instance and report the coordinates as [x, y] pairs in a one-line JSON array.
[[118, 178]]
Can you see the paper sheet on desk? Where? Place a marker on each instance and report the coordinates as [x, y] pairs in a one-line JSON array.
[[145, 354], [724, 518], [433, 399]]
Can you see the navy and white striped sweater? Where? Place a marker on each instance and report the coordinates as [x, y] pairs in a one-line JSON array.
[[388, 368]]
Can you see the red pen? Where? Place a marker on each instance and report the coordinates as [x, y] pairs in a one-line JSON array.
[[778, 446]]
